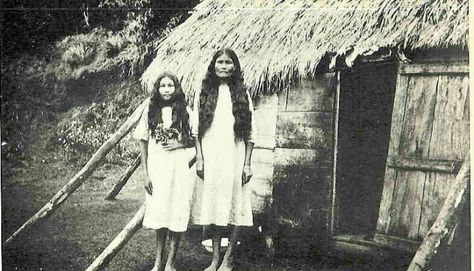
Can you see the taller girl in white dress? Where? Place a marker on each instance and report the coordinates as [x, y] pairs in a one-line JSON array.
[[164, 132], [223, 131]]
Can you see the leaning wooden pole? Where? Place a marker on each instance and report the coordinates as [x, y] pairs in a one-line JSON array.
[[119, 242], [128, 173], [123, 180], [82, 175], [446, 220]]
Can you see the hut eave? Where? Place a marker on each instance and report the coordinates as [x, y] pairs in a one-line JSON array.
[[279, 40]]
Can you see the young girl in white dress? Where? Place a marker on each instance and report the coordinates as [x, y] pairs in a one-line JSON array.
[[223, 131], [164, 132]]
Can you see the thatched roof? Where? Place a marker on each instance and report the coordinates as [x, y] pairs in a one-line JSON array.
[[276, 40]]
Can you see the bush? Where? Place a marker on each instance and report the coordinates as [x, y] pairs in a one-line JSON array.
[[73, 81], [87, 127]]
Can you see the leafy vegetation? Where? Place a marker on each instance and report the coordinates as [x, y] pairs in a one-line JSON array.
[[76, 75]]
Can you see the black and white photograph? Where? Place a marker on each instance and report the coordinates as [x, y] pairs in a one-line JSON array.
[[235, 135]]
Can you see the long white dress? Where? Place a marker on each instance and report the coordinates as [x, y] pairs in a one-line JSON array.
[[169, 205], [220, 198]]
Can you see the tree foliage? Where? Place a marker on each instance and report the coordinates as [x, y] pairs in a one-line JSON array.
[[64, 54]]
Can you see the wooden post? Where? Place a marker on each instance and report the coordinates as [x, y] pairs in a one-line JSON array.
[[123, 180], [82, 175], [446, 220], [119, 242], [333, 212]]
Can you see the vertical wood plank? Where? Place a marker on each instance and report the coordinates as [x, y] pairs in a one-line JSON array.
[[386, 204], [390, 180], [419, 114], [450, 136], [436, 190], [333, 219], [407, 200], [399, 107]]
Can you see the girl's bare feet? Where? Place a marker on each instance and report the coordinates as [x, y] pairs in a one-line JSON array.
[[226, 266], [212, 267], [170, 268]]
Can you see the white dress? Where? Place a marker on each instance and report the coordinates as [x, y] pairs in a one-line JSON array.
[[220, 198], [173, 182]]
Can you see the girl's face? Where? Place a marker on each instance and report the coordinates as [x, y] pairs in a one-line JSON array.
[[166, 88], [224, 66]]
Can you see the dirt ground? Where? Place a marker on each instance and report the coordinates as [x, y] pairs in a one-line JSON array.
[[71, 238], [85, 224]]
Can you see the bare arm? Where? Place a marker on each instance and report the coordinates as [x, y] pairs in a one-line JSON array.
[[249, 143], [144, 154], [199, 158], [248, 153], [247, 170]]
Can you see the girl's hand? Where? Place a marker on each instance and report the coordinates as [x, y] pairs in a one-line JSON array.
[[246, 174], [200, 167], [147, 184], [172, 145]]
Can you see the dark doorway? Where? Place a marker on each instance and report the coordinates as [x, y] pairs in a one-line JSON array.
[[365, 110]]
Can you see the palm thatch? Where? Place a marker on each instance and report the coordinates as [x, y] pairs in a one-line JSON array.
[[278, 40]]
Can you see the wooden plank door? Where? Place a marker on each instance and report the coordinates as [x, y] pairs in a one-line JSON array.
[[429, 137]]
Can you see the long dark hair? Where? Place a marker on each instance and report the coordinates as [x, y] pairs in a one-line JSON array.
[[240, 100], [180, 116]]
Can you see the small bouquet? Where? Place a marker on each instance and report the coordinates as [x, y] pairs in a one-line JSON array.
[[165, 135]]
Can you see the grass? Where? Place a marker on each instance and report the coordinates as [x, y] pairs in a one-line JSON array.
[[71, 238]]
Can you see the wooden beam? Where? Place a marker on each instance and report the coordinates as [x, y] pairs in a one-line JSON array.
[[82, 175], [435, 68], [396, 243], [119, 242], [445, 222], [380, 241], [441, 166], [123, 180], [333, 211]]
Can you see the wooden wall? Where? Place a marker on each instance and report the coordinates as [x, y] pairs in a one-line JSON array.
[[429, 136], [265, 117], [303, 159]]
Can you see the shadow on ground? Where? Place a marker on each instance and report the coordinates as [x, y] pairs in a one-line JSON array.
[[71, 238]]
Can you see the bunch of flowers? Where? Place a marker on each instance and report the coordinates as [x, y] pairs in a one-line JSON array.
[[164, 135]]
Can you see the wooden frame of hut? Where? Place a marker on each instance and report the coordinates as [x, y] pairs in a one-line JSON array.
[[362, 109]]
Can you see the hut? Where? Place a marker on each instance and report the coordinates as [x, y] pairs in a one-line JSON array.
[[362, 108]]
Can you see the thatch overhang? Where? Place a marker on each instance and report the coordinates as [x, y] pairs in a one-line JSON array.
[[278, 41]]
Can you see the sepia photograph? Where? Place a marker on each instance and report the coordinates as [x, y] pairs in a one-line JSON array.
[[235, 135]]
